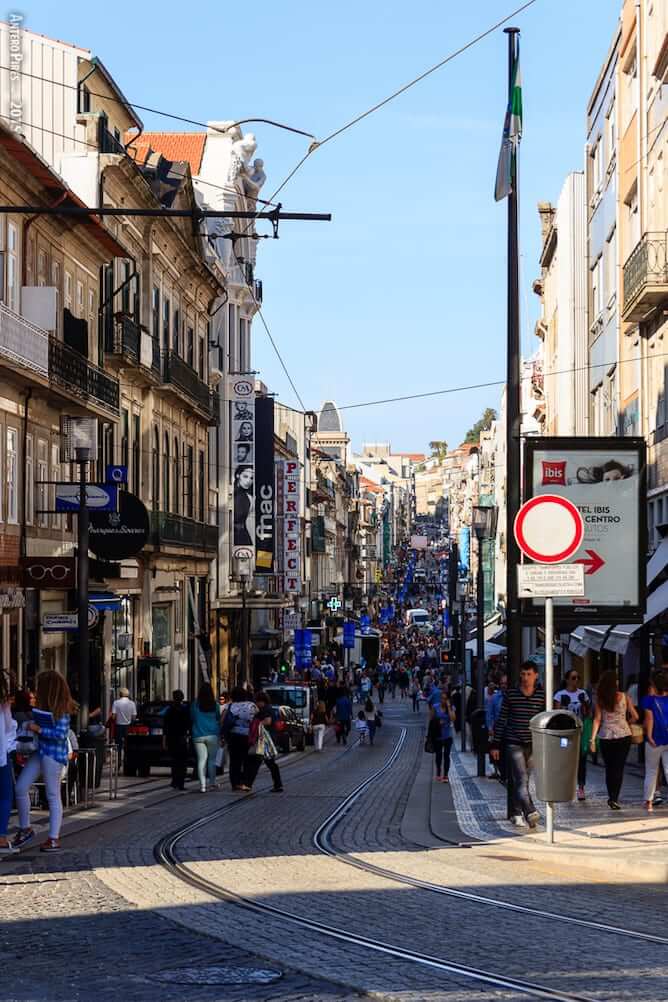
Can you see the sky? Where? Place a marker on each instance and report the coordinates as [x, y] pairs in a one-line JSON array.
[[404, 291]]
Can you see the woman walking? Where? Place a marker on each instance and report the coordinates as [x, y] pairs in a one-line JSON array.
[[7, 746], [656, 732], [440, 728], [370, 717], [319, 725], [261, 746], [239, 715], [49, 761], [414, 693], [205, 729], [612, 728]]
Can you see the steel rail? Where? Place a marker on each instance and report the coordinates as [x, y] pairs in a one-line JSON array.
[[166, 855], [322, 842]]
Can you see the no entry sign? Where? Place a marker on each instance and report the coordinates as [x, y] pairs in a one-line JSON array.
[[549, 529]]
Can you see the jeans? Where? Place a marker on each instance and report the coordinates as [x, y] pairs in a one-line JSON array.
[[205, 750], [416, 702], [519, 762], [237, 745], [52, 773], [318, 736], [442, 749], [614, 752], [371, 726], [653, 757], [6, 796], [120, 730]]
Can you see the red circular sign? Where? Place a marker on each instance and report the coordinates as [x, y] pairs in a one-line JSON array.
[[549, 529]]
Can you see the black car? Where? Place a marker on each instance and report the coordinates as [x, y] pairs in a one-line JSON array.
[[144, 741], [288, 732]]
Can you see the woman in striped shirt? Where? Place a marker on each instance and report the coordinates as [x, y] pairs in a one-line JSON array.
[[49, 761]]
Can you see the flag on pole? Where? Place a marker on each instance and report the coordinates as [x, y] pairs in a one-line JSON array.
[[512, 133]]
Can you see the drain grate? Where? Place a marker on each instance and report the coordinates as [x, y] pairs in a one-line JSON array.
[[221, 974]]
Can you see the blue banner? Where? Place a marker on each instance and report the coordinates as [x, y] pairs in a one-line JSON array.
[[348, 635], [365, 623]]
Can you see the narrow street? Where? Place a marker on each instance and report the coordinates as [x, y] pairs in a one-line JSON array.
[[127, 923]]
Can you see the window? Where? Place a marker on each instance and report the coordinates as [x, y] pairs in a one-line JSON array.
[[68, 290], [42, 486], [630, 89], [166, 473], [596, 291], [201, 487], [30, 482], [632, 222], [125, 291], [56, 520], [610, 132], [83, 99], [231, 338], [189, 481], [200, 358], [156, 469], [176, 336], [125, 438], [136, 454], [41, 268], [155, 310], [190, 347], [80, 299], [611, 268], [12, 476], [597, 167], [166, 323], [176, 504], [12, 268]]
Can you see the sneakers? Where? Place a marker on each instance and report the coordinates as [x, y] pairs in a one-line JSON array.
[[518, 821], [613, 805], [9, 849], [533, 818], [22, 837], [51, 845]]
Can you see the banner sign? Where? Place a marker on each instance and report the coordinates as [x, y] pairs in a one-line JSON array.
[[242, 398], [349, 635], [605, 478], [265, 487], [292, 563], [303, 652]]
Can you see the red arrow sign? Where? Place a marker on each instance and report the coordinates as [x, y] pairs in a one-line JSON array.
[[593, 564]]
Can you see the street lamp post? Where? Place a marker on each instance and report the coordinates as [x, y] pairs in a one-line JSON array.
[[82, 456], [244, 576], [483, 527]]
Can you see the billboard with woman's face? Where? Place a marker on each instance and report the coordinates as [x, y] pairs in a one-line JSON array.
[[242, 397], [606, 479]]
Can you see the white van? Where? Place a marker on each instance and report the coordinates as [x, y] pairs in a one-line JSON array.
[[417, 617]]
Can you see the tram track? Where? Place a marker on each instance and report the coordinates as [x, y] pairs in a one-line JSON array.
[[166, 854]]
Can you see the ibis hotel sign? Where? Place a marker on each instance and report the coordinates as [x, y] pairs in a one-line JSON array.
[[605, 478]]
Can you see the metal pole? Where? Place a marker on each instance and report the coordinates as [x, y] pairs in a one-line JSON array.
[[82, 583], [549, 696], [462, 656], [480, 651], [244, 634], [513, 407]]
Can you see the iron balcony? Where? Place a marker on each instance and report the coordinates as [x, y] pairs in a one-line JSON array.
[[131, 342], [646, 277], [23, 346], [72, 373], [178, 374], [177, 530]]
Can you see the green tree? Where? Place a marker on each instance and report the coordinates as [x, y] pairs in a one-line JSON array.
[[439, 449], [485, 422]]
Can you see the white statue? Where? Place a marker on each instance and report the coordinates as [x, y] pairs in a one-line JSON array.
[[254, 179], [242, 151]]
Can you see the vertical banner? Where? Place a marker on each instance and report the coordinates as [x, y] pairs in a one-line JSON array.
[[265, 489], [291, 528], [242, 397]]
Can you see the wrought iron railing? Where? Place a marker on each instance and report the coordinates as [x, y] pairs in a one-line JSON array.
[[176, 530], [126, 337], [74, 373], [22, 343], [646, 265], [178, 373], [108, 143]]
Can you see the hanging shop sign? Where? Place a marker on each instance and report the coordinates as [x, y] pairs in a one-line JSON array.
[[292, 581], [241, 393], [49, 573], [348, 635], [605, 479], [122, 534], [99, 497], [265, 485]]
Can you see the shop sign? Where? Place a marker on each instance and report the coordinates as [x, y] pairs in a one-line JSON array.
[[122, 534], [12, 598], [241, 393], [49, 573], [265, 485]]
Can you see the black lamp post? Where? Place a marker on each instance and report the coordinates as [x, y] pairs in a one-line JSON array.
[[484, 527]]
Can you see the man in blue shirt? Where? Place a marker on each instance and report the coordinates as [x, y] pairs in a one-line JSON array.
[[343, 712]]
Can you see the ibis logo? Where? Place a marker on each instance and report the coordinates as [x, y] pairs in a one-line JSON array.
[[554, 472]]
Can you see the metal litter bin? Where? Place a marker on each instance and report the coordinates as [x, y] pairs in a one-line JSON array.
[[555, 737]]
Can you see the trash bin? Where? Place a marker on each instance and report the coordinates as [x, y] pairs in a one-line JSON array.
[[555, 737], [95, 738]]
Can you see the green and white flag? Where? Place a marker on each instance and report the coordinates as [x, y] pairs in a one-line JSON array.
[[512, 133]]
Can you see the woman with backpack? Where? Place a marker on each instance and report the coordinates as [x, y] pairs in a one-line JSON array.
[[49, 761], [205, 730], [239, 715]]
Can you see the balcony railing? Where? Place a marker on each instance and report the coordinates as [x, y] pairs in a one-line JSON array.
[[22, 343], [646, 276], [178, 373], [176, 530], [107, 142], [74, 373], [130, 340]]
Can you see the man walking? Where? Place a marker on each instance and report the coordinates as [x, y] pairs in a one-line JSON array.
[[123, 712], [343, 712], [512, 728]]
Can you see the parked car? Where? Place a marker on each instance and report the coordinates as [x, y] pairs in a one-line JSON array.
[[301, 698], [144, 744], [289, 730]]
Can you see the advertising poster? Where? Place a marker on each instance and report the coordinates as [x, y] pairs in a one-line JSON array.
[[265, 487], [242, 403], [605, 479]]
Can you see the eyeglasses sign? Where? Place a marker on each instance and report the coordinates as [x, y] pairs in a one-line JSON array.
[[49, 573]]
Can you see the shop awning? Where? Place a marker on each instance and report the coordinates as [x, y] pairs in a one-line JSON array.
[[620, 637], [491, 650], [105, 601], [595, 636], [658, 561], [576, 644]]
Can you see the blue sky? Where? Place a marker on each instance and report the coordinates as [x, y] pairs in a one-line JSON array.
[[404, 292]]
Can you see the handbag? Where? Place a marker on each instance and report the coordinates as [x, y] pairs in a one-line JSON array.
[[637, 734], [429, 746]]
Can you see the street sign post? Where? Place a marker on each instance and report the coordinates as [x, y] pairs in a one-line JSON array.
[[68, 622], [549, 529], [99, 497]]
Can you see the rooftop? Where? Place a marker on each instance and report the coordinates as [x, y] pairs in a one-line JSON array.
[[188, 146]]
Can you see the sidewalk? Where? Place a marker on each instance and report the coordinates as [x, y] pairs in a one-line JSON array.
[[587, 835]]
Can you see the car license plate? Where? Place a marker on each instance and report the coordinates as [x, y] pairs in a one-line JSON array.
[[156, 730]]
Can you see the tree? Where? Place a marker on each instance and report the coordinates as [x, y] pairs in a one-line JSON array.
[[485, 422], [439, 449]]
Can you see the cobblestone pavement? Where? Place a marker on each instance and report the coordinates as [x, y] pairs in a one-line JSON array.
[[112, 902]]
